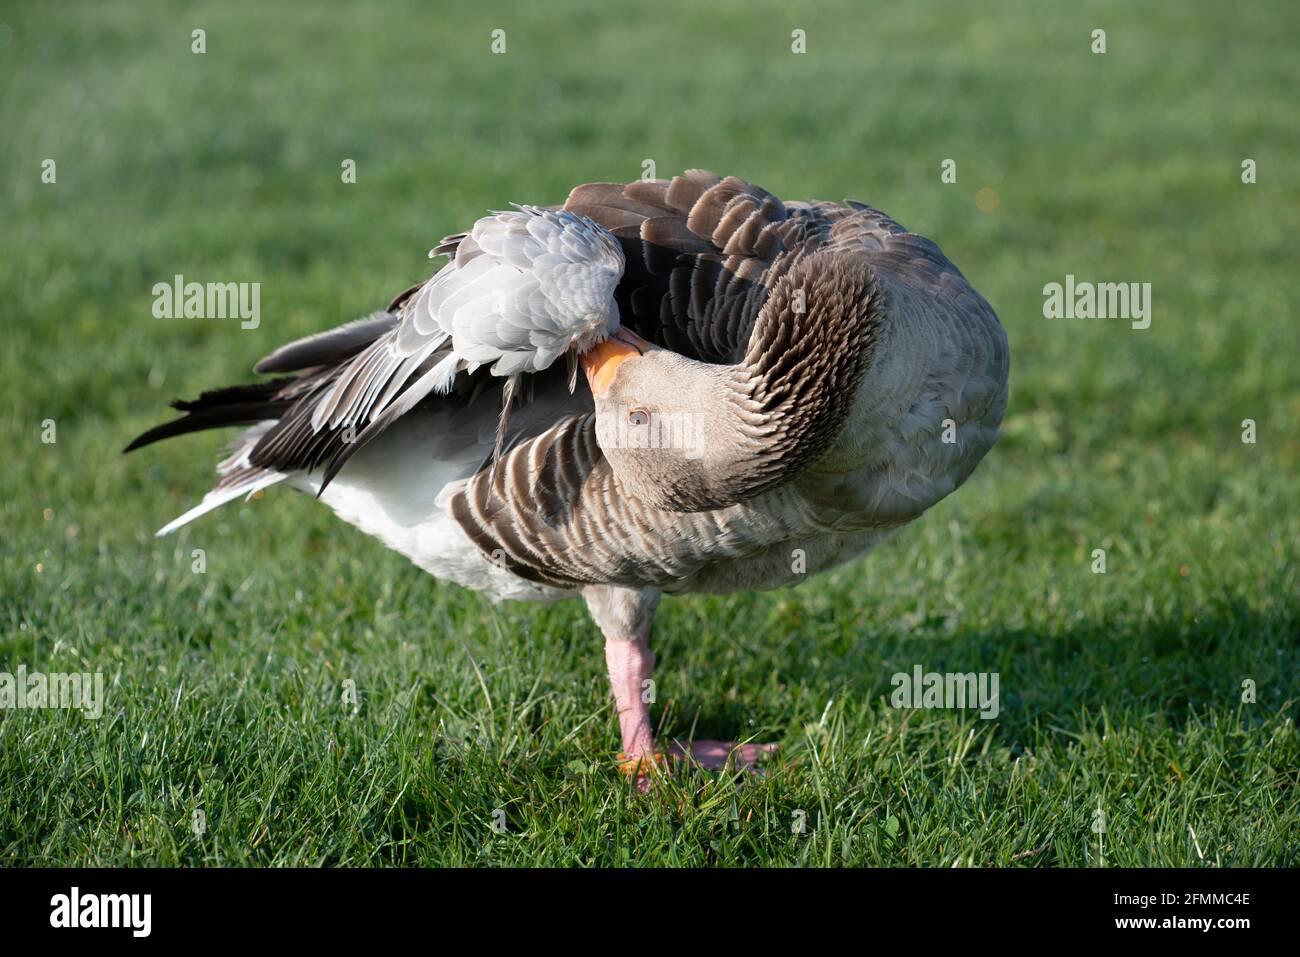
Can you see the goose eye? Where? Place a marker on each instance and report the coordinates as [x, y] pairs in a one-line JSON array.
[[638, 417]]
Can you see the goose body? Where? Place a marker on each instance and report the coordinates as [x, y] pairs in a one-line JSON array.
[[772, 388]]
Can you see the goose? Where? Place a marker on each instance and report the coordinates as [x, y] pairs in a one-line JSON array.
[[770, 388]]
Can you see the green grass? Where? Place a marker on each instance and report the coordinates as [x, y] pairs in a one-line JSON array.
[[1120, 691]]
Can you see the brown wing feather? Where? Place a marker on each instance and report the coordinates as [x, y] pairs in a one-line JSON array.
[[706, 251], [553, 512], [705, 259]]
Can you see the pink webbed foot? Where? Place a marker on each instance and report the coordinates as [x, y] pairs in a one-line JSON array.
[[623, 615], [706, 755], [722, 755]]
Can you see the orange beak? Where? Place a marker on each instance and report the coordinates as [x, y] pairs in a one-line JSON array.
[[601, 361]]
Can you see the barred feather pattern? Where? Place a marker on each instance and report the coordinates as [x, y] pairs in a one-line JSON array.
[[849, 341]]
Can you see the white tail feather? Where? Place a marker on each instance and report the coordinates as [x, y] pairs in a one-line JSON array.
[[218, 497]]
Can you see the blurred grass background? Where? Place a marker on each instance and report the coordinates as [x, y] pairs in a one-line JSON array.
[[1120, 692]]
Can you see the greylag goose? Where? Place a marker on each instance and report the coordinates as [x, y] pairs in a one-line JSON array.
[[771, 388]]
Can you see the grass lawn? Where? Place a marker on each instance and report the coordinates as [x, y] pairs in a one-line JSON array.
[[1120, 692]]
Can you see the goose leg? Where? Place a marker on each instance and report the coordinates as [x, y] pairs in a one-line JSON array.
[[630, 662], [624, 616]]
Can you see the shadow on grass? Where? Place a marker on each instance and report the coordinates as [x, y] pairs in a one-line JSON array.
[[1160, 670]]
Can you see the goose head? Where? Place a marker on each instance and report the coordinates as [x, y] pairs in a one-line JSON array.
[[685, 435]]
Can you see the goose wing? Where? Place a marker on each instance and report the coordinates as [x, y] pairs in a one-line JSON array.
[[520, 289], [703, 254]]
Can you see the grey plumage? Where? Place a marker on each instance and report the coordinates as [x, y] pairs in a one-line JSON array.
[[771, 389], [827, 338]]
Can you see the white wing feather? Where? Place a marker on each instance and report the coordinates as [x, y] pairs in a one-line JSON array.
[[524, 287]]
